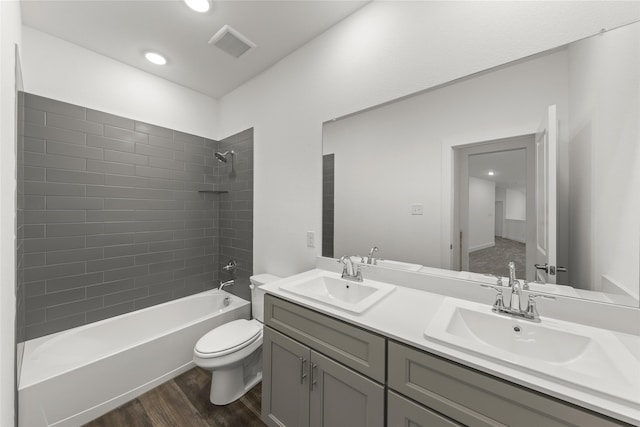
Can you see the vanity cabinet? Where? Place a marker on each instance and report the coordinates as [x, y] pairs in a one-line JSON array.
[[305, 381], [320, 371], [472, 398]]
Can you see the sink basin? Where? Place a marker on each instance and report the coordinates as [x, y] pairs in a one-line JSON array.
[[347, 295], [528, 339], [576, 354]]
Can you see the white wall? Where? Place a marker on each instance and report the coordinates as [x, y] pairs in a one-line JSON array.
[[516, 204], [501, 196], [515, 225], [380, 171], [605, 155], [60, 70], [482, 195], [384, 51], [10, 35]]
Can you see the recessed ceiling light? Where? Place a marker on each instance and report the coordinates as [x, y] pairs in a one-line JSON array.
[[491, 173], [198, 5], [155, 58]]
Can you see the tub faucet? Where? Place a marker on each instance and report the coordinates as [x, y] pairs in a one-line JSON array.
[[350, 271], [223, 284], [370, 259], [231, 266]]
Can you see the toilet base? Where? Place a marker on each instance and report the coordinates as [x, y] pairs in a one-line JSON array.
[[229, 386], [231, 383]]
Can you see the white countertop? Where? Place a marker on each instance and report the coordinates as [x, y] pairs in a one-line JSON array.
[[404, 314]]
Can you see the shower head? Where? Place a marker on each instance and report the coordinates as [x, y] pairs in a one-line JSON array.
[[222, 157]]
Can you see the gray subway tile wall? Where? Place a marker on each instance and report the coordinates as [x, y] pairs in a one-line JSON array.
[[110, 219], [328, 203], [23, 231], [236, 209]]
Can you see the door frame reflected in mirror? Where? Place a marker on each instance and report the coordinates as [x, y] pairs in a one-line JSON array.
[[461, 214]]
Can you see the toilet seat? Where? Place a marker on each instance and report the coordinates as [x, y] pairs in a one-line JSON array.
[[228, 338]]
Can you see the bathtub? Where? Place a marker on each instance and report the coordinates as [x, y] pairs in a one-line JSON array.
[[74, 376]]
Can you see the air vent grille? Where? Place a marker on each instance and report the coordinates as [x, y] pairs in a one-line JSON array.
[[232, 42]]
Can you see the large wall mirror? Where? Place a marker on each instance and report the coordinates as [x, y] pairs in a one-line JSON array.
[[466, 177]]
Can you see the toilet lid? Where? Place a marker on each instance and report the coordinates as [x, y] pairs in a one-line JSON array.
[[229, 337]]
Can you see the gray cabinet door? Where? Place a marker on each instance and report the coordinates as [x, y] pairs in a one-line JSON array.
[[285, 381], [341, 397]]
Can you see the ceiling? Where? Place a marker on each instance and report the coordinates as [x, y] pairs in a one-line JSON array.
[[124, 30], [509, 168]]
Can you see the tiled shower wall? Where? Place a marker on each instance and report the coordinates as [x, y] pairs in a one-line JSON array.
[[20, 310], [236, 210], [113, 220], [328, 203]]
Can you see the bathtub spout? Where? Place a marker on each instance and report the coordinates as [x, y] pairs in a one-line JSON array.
[[227, 283]]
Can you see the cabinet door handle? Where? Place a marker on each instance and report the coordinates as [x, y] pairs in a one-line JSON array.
[[313, 376], [303, 375]]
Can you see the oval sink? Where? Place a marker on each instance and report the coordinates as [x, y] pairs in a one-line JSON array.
[[351, 296]]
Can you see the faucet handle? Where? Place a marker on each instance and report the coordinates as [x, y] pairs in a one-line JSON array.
[[358, 274], [531, 304], [345, 260], [499, 282], [499, 302]]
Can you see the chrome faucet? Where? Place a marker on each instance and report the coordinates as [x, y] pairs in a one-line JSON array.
[[227, 283], [512, 273], [515, 309], [231, 266], [350, 271], [514, 284], [370, 259]]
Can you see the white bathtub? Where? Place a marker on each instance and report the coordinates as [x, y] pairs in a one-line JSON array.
[[74, 376]]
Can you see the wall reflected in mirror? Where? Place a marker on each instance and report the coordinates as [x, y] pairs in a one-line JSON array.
[[392, 179]]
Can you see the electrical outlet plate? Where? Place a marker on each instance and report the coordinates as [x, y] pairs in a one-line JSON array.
[[311, 239], [417, 209]]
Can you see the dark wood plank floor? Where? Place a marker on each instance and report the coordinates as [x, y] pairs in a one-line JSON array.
[[184, 402], [494, 260]]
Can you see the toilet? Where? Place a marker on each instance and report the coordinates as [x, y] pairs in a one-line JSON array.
[[233, 351]]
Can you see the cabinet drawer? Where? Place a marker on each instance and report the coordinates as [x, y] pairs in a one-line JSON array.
[[402, 412], [477, 399], [349, 345]]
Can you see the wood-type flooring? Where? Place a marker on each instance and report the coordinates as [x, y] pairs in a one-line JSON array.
[[494, 260], [184, 402]]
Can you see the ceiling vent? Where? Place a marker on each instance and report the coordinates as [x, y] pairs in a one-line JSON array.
[[231, 41]]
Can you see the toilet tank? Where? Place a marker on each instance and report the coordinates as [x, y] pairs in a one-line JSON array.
[[257, 295]]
